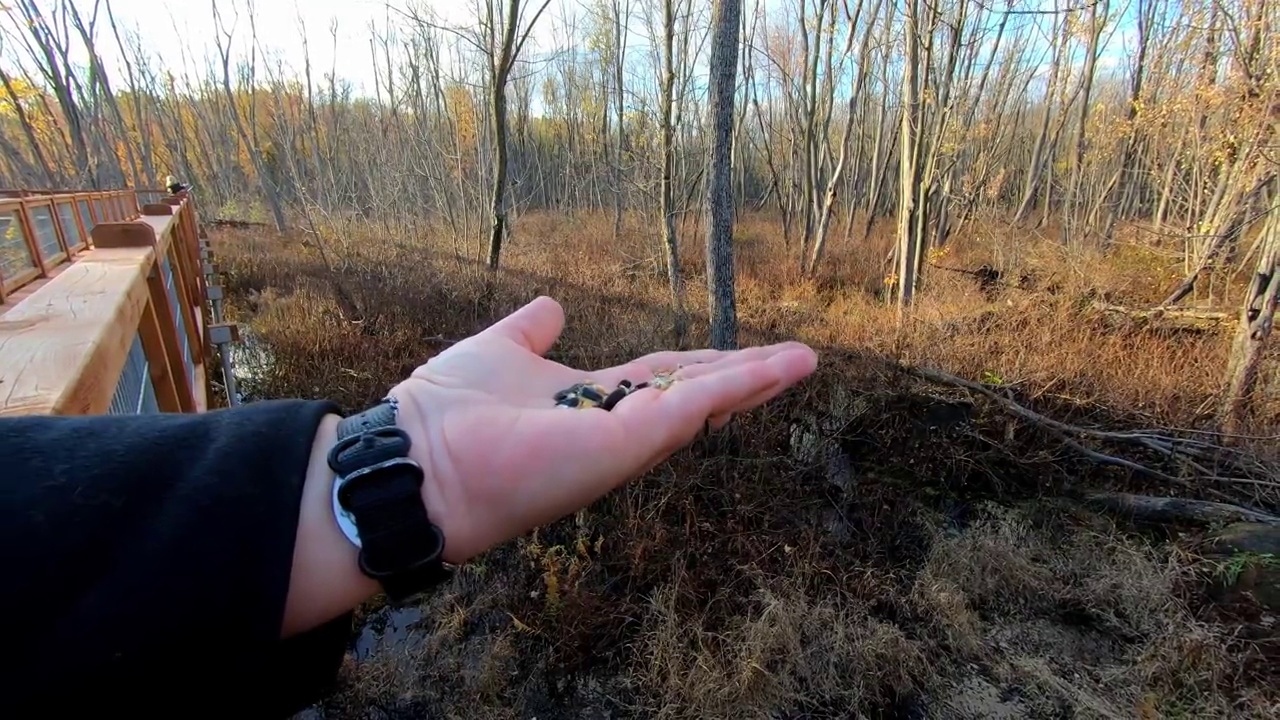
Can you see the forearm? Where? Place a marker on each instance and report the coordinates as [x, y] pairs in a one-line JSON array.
[[326, 580], [158, 551]]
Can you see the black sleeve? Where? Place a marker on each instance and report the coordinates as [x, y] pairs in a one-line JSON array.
[[147, 560]]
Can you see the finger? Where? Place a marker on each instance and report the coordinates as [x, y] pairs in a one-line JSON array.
[[535, 327], [719, 421], [643, 368], [737, 357], [663, 421], [755, 401], [690, 363]]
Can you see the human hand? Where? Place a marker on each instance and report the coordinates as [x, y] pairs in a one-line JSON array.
[[501, 459]]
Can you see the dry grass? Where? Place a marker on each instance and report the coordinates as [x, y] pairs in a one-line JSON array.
[[617, 303], [789, 649], [1086, 622], [866, 545]]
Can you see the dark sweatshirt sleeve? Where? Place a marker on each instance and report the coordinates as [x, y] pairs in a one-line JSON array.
[[147, 560]]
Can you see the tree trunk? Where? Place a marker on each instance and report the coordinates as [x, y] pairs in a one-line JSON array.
[[1256, 318], [669, 243], [724, 67], [498, 194], [910, 196]]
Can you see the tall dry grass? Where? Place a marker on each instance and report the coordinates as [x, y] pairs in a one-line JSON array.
[[416, 293], [747, 577]]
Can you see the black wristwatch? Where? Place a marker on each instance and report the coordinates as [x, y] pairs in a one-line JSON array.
[[378, 503]]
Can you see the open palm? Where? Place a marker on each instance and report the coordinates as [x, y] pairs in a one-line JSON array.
[[501, 458]]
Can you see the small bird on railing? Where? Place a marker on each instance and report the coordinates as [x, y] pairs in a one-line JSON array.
[[173, 186]]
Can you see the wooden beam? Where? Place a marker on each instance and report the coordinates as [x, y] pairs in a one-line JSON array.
[[124, 234], [205, 392], [182, 288], [157, 209], [162, 376], [169, 336], [65, 345], [28, 229], [142, 233]]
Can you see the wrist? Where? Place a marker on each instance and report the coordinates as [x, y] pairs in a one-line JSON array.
[[412, 419], [325, 581]]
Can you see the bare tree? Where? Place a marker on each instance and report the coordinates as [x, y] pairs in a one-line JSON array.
[[502, 35], [246, 127], [668, 101], [910, 198], [1257, 316], [723, 69]]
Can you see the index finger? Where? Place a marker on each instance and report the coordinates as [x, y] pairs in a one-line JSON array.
[[662, 421], [644, 367]]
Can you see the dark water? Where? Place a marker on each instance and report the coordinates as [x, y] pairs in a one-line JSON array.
[[394, 627]]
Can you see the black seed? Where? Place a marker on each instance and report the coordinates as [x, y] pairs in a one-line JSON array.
[[614, 398]]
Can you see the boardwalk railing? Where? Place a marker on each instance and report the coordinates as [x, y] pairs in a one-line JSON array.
[[104, 305]]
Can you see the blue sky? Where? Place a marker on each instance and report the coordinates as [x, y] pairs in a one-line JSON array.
[[279, 30], [167, 27]]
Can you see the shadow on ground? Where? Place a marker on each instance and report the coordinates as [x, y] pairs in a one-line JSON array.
[[869, 545]]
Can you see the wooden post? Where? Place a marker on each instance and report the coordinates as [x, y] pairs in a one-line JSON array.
[[75, 218], [163, 379], [182, 287], [193, 250], [140, 234], [29, 234], [187, 263]]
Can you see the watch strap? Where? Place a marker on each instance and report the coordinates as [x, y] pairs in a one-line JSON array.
[[378, 489], [381, 415], [399, 545]]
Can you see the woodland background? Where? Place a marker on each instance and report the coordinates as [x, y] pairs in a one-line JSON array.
[[1036, 244]]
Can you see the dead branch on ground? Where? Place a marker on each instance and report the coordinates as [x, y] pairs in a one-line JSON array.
[[1200, 459], [1168, 318], [1166, 509]]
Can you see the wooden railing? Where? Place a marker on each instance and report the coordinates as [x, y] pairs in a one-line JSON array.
[[104, 306], [41, 232]]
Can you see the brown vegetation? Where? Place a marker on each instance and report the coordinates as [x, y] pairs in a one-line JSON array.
[[869, 544], [1046, 193]]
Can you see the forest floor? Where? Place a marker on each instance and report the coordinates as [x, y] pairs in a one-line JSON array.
[[872, 544]]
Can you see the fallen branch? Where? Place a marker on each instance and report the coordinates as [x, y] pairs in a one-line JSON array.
[[233, 223], [1170, 318], [1190, 453], [1166, 509]]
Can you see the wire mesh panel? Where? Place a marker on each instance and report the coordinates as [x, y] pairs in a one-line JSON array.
[[135, 394], [15, 256], [45, 230], [86, 216], [146, 197], [175, 304], [70, 228]]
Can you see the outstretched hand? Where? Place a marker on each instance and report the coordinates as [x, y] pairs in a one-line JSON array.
[[500, 458]]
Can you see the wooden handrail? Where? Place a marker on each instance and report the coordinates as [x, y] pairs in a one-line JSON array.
[[22, 258], [65, 345], [67, 334]]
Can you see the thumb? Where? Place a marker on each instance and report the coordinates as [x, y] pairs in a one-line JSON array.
[[535, 327]]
